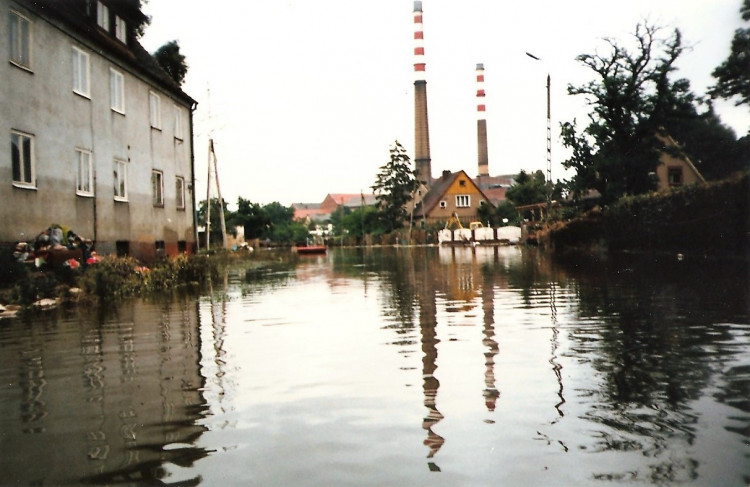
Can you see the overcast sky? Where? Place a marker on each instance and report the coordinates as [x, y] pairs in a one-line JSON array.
[[304, 98]]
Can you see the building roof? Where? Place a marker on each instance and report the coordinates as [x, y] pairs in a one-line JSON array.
[[438, 189], [74, 15]]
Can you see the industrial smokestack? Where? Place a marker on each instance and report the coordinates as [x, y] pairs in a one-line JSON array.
[[483, 159], [422, 159]]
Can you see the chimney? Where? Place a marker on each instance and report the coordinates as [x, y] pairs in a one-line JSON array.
[[422, 159], [483, 159]]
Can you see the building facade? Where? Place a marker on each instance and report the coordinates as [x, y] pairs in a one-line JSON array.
[[100, 136]]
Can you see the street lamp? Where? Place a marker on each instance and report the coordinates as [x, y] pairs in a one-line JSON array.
[[549, 137]]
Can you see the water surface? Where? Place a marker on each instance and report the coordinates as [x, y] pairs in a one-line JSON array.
[[491, 366]]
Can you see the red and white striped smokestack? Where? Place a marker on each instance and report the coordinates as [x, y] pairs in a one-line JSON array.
[[422, 159], [483, 158]]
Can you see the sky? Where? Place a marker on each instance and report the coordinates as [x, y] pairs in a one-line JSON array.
[[304, 98]]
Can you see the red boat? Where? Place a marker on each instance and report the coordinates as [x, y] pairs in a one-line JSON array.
[[311, 249]]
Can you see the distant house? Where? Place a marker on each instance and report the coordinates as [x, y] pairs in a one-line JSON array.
[[675, 168], [319, 212], [100, 136], [454, 193]]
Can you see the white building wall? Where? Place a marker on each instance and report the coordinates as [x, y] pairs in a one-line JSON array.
[[41, 102]]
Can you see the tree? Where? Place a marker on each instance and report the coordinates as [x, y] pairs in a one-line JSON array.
[[252, 217], [528, 189], [215, 219], [733, 75], [172, 61], [394, 187], [632, 101]]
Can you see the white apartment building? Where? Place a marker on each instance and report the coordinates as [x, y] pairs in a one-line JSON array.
[[100, 138]]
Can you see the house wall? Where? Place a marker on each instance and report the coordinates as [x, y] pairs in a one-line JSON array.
[[41, 102], [689, 173], [455, 189]]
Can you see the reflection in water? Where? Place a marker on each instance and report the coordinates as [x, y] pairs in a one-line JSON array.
[[102, 396], [507, 366]]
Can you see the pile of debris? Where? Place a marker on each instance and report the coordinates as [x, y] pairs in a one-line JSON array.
[[56, 247]]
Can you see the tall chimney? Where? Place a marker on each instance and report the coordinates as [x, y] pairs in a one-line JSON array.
[[422, 159], [483, 159]]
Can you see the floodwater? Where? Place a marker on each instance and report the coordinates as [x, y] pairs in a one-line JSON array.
[[394, 367]]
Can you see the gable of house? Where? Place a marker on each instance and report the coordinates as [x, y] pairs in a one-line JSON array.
[[675, 168], [453, 193]]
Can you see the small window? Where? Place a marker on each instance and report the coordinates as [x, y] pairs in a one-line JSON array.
[[462, 182], [180, 192], [181, 246], [116, 91], [121, 180], [177, 122], [122, 248], [463, 201], [84, 173], [674, 176], [154, 105], [443, 204], [20, 40], [102, 16], [157, 185], [121, 29], [22, 158], [80, 72]]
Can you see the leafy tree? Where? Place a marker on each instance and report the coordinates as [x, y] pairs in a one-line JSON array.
[[393, 188], [631, 102], [172, 61], [252, 217], [733, 75], [528, 189], [215, 230], [362, 221]]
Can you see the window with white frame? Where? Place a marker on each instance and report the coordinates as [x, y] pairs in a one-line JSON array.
[[180, 192], [157, 185], [177, 122], [102, 16], [80, 72], [154, 106], [121, 180], [84, 173], [463, 201], [116, 91], [121, 29], [22, 159], [20, 40], [443, 204]]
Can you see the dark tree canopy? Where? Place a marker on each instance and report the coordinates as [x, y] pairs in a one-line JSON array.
[[733, 75], [632, 100], [394, 187], [172, 61]]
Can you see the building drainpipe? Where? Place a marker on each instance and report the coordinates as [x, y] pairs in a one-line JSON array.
[[192, 179]]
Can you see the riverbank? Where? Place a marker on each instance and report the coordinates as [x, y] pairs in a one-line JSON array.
[[115, 277], [711, 218]]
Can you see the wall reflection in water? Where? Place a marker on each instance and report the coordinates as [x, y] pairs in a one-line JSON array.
[[102, 399], [642, 339]]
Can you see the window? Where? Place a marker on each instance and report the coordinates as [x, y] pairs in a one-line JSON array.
[[463, 201], [84, 173], [20, 40], [462, 182], [177, 122], [116, 91], [180, 188], [102, 16], [121, 180], [121, 29], [22, 157], [80, 72], [154, 106], [443, 204], [674, 176], [157, 185]]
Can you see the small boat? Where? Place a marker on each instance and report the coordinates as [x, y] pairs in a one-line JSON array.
[[310, 249]]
